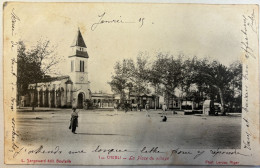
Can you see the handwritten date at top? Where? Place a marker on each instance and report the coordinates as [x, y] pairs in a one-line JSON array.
[[119, 20]]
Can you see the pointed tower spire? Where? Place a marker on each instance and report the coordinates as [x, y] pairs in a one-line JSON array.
[[79, 48], [79, 41]]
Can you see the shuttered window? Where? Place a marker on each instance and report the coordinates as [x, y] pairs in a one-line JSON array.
[[81, 66]]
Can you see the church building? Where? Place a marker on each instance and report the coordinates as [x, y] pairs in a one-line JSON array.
[[65, 91]]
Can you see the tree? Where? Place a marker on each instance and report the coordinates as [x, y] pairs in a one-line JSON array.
[[120, 80], [34, 65], [195, 78], [154, 78], [139, 76], [216, 78], [130, 76], [235, 96], [167, 73], [28, 69]]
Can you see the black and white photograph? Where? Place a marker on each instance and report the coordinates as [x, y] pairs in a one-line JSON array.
[[131, 83]]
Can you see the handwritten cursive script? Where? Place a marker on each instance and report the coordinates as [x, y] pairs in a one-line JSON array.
[[249, 53], [119, 20], [18, 152], [13, 44], [249, 28], [252, 22], [41, 150], [15, 148], [178, 151], [98, 149], [247, 143], [152, 150], [222, 152], [14, 19]]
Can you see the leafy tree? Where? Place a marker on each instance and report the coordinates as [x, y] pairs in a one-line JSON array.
[[34, 64], [28, 69], [235, 89], [154, 77], [139, 76], [130, 76], [216, 79], [120, 80], [167, 73], [197, 79]]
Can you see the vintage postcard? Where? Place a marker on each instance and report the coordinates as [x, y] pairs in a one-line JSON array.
[[131, 83]]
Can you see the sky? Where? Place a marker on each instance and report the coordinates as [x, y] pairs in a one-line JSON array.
[[203, 30]]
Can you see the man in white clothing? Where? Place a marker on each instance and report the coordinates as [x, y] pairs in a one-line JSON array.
[[164, 108]]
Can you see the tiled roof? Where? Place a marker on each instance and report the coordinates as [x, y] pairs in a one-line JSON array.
[[58, 78], [82, 54]]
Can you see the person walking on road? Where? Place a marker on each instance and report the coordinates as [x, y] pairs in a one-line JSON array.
[[74, 121], [164, 108]]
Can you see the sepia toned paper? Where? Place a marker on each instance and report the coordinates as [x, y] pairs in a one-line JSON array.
[[113, 32]]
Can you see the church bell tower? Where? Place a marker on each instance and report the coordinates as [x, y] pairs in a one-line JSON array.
[[78, 61]]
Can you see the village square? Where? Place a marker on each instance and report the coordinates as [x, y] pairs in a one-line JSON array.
[[175, 101], [108, 127]]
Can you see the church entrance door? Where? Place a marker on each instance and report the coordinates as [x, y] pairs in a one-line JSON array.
[[80, 100]]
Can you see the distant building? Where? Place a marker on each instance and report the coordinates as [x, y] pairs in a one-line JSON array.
[[140, 100], [103, 100]]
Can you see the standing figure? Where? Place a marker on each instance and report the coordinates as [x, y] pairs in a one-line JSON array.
[[139, 106], [126, 106], [116, 108], [147, 109], [164, 108], [74, 121]]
